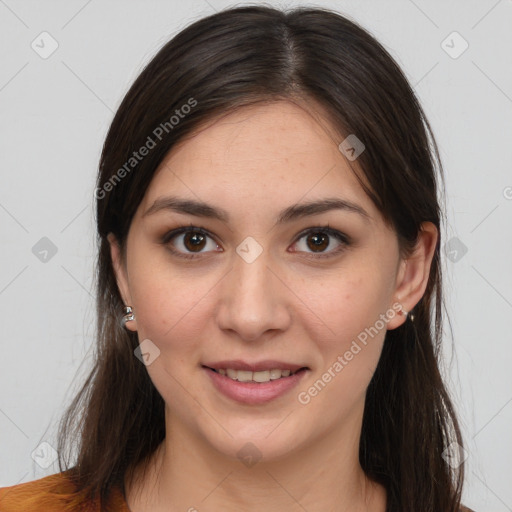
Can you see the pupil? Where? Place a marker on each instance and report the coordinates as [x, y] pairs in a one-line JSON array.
[[196, 239], [318, 243]]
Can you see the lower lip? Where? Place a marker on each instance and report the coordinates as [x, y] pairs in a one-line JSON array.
[[254, 393]]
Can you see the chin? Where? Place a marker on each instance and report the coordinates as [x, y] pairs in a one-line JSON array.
[[257, 442]]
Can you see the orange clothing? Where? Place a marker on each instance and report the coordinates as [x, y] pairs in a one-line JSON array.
[[53, 493]]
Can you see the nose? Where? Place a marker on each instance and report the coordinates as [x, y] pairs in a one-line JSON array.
[[254, 299]]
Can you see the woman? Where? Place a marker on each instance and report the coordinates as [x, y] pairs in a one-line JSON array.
[[269, 285]]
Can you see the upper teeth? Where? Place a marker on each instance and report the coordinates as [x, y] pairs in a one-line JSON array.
[[246, 376]]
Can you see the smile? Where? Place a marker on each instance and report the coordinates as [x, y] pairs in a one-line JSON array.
[[254, 387], [248, 376]]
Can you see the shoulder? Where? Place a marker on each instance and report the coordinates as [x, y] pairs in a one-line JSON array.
[[465, 509], [54, 492], [37, 495]]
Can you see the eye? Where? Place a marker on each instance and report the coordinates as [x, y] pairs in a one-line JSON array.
[[189, 239], [321, 238]]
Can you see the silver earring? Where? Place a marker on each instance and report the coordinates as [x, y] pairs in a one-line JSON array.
[[128, 316]]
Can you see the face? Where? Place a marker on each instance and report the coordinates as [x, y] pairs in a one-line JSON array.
[[268, 280]]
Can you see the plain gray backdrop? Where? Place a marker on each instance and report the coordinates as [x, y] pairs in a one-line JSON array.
[[65, 66]]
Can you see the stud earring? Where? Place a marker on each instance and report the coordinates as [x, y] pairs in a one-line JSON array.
[[407, 314]]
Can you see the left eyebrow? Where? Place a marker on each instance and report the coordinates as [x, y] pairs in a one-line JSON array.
[[294, 212], [301, 210]]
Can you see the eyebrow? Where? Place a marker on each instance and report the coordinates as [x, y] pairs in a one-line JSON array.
[[294, 212]]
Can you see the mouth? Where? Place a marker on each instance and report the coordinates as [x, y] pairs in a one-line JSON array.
[[254, 387], [259, 377], [254, 384]]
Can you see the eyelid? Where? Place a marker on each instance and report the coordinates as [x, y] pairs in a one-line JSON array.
[[344, 240], [169, 235]]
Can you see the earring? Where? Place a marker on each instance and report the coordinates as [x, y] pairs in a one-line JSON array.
[[407, 315], [128, 316]]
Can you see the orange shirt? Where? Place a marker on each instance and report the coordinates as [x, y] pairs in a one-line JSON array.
[[53, 493]]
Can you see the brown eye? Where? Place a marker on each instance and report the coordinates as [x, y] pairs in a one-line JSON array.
[[318, 241], [189, 242], [321, 242], [194, 241]]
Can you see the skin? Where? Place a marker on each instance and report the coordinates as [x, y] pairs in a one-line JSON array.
[[289, 304]]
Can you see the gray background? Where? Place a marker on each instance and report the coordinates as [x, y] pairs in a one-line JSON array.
[[55, 112]]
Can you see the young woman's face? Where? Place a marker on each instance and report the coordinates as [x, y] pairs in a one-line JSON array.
[[267, 284]]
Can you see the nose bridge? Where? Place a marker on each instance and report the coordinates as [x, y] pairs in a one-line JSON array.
[[254, 278], [252, 300], [250, 268]]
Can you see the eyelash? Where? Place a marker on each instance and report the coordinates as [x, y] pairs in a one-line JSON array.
[[343, 239]]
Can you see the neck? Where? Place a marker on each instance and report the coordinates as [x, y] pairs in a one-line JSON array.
[[187, 474]]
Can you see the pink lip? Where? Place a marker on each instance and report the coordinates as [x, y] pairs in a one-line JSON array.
[[254, 393], [268, 364]]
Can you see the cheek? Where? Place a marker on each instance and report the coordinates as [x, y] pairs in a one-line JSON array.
[[344, 322], [171, 308], [345, 305], [349, 342]]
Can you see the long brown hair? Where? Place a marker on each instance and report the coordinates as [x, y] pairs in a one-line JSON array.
[[237, 57]]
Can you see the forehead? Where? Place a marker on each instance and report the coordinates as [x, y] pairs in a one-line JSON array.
[[259, 156]]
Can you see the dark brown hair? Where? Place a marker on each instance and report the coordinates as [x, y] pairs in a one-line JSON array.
[[220, 63]]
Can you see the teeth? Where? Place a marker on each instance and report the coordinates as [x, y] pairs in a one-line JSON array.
[[232, 374], [244, 376], [247, 376], [275, 374]]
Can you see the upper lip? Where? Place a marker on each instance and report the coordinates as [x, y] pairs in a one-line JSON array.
[[257, 366]]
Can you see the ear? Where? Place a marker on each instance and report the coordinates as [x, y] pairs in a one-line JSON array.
[[121, 277], [413, 274]]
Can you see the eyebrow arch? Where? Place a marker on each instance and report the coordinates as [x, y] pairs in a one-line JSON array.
[[297, 211]]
